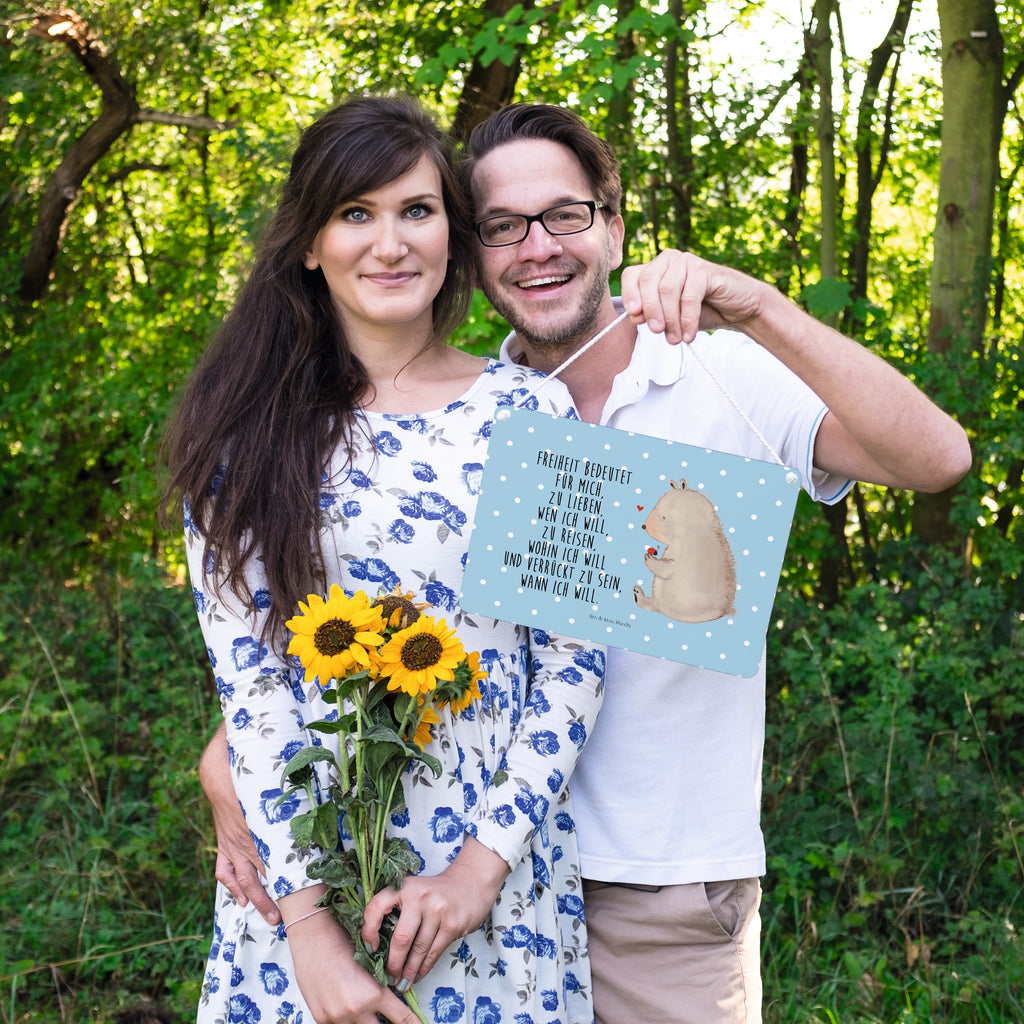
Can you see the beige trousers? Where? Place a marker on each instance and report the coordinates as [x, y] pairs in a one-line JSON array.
[[675, 954]]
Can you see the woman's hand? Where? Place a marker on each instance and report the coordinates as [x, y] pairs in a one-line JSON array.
[[435, 910], [336, 989]]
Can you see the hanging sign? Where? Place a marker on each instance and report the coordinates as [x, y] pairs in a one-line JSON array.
[[617, 538]]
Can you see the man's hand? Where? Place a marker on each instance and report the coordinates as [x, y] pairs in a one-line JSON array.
[[238, 864], [880, 427], [678, 293], [435, 910]]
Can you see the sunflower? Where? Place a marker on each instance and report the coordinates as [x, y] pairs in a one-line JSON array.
[[423, 734], [417, 657], [472, 692], [399, 609], [332, 636]]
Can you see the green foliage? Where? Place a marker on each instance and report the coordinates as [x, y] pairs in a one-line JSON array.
[[893, 780], [893, 803], [107, 866]]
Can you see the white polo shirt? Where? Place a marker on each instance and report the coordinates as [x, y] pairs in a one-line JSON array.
[[668, 789]]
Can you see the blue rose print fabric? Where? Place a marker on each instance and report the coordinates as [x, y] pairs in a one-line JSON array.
[[401, 514]]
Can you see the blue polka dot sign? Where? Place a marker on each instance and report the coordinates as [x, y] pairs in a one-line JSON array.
[[617, 538]]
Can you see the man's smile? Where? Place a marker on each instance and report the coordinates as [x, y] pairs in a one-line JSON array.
[[540, 282]]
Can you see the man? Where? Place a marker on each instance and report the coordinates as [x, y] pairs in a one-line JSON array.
[[667, 792]]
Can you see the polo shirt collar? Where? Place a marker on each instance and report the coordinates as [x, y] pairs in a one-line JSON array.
[[653, 361]]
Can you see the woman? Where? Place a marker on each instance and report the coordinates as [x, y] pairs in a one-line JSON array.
[[329, 435]]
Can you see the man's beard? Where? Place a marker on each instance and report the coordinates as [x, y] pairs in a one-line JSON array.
[[571, 334]]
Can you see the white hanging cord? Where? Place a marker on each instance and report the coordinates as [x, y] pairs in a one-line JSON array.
[[693, 352], [593, 341], [732, 401]]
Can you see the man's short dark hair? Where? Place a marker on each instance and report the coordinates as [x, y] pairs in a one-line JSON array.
[[521, 121]]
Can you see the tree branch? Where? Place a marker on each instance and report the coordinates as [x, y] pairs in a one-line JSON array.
[[1013, 80], [206, 124], [116, 117], [119, 112], [122, 173]]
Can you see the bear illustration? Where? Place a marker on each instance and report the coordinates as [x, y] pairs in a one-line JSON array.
[[695, 577]]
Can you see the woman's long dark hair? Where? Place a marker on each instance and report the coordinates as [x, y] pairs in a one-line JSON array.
[[274, 394]]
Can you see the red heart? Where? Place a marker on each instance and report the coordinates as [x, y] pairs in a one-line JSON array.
[[639, 508]]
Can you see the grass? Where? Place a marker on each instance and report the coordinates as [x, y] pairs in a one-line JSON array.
[[893, 809], [107, 881]]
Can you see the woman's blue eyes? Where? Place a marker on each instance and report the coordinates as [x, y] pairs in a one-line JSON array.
[[357, 215]]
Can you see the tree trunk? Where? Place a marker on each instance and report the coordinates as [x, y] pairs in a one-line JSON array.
[[869, 170], [119, 113], [973, 105], [972, 117], [487, 89], [818, 48], [797, 195], [619, 130], [819, 55], [679, 132]]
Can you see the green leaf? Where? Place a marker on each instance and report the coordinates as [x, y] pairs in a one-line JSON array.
[[299, 769], [350, 684], [303, 826], [350, 915], [325, 826], [377, 701], [330, 726], [827, 298], [381, 732], [372, 963], [339, 870], [497, 52], [381, 757], [398, 861], [429, 760], [342, 799], [453, 55]]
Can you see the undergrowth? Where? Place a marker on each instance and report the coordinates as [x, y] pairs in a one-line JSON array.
[[894, 802], [893, 799], [106, 882]]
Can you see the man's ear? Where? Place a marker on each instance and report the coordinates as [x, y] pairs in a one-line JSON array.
[[616, 236]]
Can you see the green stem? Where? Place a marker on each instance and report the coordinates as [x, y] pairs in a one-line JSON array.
[[381, 825], [414, 1004], [344, 766], [360, 834], [410, 723]]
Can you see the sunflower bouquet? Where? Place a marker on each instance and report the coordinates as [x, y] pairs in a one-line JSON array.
[[390, 669]]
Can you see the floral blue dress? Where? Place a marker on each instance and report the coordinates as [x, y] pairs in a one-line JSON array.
[[402, 515]]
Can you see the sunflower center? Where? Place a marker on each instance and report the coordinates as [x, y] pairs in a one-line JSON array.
[[391, 603], [334, 636], [421, 651]]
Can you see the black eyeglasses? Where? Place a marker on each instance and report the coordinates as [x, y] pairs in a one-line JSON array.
[[564, 219]]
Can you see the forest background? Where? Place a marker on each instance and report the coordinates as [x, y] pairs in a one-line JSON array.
[[866, 158]]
